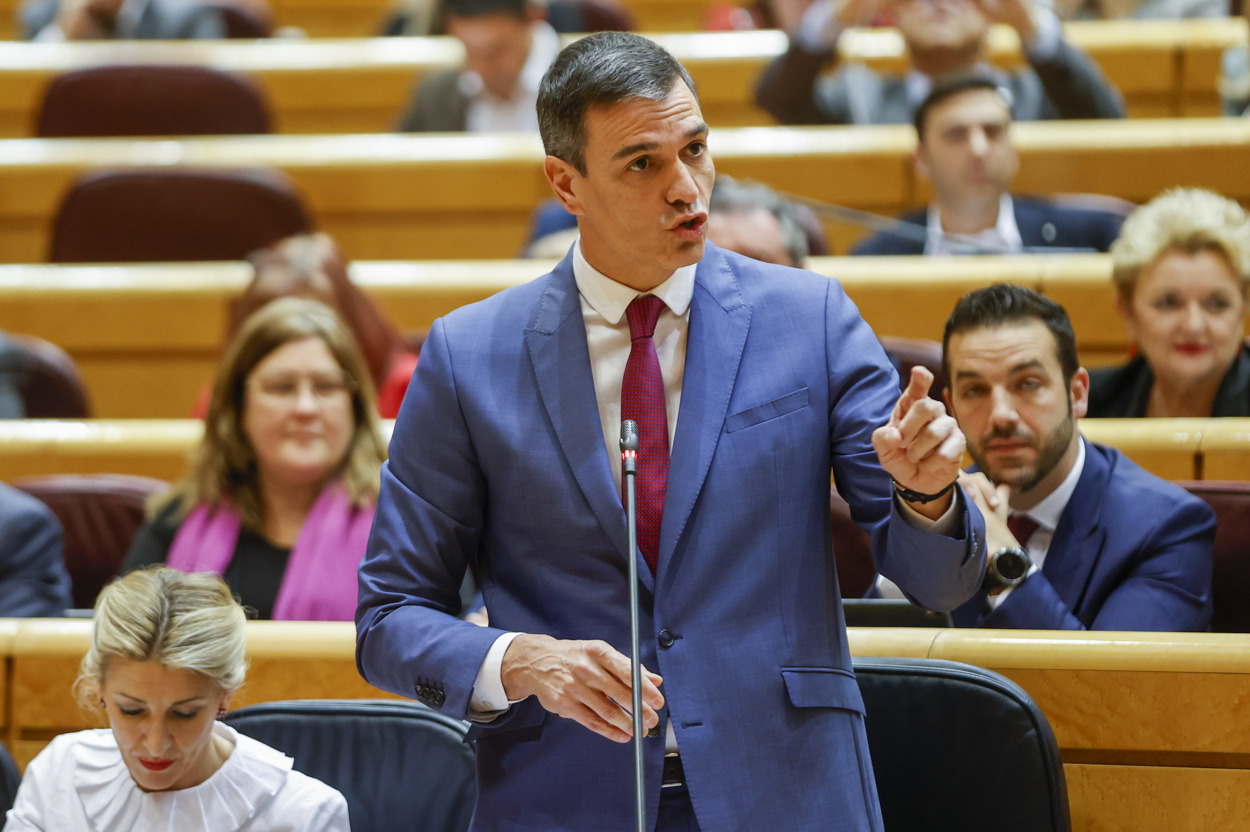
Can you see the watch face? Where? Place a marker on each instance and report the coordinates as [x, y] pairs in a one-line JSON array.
[[1011, 564]]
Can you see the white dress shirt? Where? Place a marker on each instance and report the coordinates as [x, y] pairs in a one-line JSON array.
[[486, 113], [1003, 237]]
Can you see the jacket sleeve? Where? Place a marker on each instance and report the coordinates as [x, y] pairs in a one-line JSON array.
[[1075, 86], [428, 526], [789, 90], [33, 580], [1166, 587]]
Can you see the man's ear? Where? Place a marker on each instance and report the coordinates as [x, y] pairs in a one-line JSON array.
[[919, 164], [946, 398], [1080, 393], [564, 179]]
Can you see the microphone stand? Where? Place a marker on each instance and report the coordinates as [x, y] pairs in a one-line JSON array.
[[629, 470]]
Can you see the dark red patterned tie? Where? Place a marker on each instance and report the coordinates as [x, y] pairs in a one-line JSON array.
[[642, 399], [1021, 527]]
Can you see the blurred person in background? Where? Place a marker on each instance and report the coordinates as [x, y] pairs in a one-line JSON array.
[[54, 20], [1181, 268], [33, 580], [312, 266], [166, 657], [282, 489], [943, 37]]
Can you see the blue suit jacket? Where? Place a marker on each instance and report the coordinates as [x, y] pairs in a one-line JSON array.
[[1042, 224], [33, 580], [498, 456], [1131, 552]]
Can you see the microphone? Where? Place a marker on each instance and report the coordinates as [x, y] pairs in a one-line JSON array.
[[629, 471]]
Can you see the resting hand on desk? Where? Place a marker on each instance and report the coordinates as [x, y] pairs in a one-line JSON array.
[[921, 447], [993, 502], [581, 680]]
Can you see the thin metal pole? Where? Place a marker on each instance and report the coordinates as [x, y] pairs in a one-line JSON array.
[[629, 471]]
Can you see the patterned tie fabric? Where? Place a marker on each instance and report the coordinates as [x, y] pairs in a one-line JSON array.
[[642, 399], [1021, 527]]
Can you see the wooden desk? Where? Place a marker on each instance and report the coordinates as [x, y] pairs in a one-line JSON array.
[[360, 85], [445, 197]]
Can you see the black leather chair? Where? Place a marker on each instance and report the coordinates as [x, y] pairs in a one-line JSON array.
[[958, 748], [400, 765]]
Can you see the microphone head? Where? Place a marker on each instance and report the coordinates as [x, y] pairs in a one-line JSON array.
[[629, 435]]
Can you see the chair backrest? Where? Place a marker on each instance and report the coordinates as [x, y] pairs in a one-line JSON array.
[[1230, 584], [916, 352], [175, 214], [956, 747], [100, 514], [50, 386], [400, 765], [151, 100]]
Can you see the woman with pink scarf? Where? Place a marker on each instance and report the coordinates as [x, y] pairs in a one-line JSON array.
[[282, 489]]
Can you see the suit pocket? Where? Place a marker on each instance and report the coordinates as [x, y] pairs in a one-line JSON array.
[[767, 411], [822, 687]]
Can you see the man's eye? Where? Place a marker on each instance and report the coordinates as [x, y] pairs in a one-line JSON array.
[[639, 164], [697, 148]]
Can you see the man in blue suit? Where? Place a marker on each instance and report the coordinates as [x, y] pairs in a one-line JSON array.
[[965, 151], [505, 455], [1079, 536]]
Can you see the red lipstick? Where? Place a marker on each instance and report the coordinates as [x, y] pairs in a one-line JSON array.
[[156, 765]]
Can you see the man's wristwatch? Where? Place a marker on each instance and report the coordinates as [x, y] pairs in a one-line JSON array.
[[1007, 567]]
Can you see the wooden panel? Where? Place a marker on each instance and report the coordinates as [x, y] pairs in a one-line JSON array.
[[152, 448], [1168, 448], [1226, 450], [1157, 799]]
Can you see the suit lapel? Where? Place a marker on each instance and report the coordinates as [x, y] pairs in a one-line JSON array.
[[719, 321], [1079, 538], [556, 341]]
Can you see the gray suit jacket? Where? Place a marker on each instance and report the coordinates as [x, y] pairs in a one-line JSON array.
[[792, 89], [437, 106], [160, 20]]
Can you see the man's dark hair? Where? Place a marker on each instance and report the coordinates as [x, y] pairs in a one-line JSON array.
[[731, 195], [597, 71], [951, 86], [1004, 303], [480, 8]]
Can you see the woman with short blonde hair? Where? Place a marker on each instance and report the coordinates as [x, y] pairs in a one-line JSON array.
[[1181, 267], [166, 656]]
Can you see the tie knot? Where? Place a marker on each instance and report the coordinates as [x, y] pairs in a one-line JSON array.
[[1021, 527], [642, 313]]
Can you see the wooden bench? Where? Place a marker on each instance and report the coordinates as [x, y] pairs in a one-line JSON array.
[[360, 85], [1175, 449], [1149, 726], [445, 197], [147, 336]]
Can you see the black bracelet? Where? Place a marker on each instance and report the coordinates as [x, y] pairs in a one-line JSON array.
[[917, 497]]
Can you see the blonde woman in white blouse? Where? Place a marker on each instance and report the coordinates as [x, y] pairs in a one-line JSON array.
[[167, 655]]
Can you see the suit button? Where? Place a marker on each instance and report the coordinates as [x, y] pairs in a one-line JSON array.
[[666, 639]]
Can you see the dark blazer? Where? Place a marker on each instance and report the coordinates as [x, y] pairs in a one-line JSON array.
[[1117, 392], [795, 90], [1131, 552], [498, 456], [437, 106], [33, 580], [160, 20], [1042, 224]]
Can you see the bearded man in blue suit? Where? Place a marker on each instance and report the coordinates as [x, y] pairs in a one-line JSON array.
[[504, 456], [1079, 536]]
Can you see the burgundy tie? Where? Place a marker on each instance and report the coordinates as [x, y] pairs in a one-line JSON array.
[[1021, 527], [642, 399]]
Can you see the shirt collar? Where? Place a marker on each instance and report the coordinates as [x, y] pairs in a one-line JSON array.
[[1050, 509], [609, 298], [1004, 237], [544, 47]]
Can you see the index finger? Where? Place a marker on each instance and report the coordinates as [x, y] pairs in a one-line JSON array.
[[917, 388]]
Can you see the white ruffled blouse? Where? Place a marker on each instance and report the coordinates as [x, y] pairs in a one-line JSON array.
[[80, 783]]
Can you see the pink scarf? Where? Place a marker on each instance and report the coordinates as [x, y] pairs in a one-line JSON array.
[[320, 579]]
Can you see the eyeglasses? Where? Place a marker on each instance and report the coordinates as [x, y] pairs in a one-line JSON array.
[[285, 389]]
